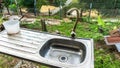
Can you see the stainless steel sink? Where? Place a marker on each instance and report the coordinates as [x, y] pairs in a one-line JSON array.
[[53, 50], [63, 50]]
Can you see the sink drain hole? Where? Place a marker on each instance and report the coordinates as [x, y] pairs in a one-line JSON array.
[[63, 58]]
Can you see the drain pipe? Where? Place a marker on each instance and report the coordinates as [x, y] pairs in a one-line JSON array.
[[73, 34]]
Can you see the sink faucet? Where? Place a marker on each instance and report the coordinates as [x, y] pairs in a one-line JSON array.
[[73, 34]]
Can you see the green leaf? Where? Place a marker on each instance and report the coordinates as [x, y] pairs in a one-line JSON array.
[[115, 27], [100, 21]]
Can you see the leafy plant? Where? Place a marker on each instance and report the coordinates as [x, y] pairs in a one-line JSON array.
[[6, 3], [26, 3], [30, 3], [104, 59], [42, 2], [100, 22], [13, 7]]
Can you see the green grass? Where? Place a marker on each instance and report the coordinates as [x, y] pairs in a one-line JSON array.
[[105, 59]]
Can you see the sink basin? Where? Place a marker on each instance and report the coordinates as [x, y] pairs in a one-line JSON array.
[[64, 50]]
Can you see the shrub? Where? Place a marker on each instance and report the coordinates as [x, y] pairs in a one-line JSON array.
[[26, 3], [13, 7]]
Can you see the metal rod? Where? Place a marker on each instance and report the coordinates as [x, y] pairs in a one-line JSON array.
[[90, 12], [17, 6], [20, 11], [8, 10], [35, 10], [49, 12], [65, 12], [60, 9], [43, 25]]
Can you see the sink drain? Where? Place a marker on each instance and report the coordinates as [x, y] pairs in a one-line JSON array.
[[63, 58]]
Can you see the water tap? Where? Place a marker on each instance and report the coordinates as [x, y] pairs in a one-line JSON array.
[[73, 34]]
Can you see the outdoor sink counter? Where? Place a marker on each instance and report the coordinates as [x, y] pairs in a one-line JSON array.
[[29, 44]]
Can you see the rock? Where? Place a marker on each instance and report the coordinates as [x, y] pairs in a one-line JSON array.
[[66, 20], [53, 22]]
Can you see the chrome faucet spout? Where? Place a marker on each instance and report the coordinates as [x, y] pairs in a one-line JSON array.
[[73, 34]]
